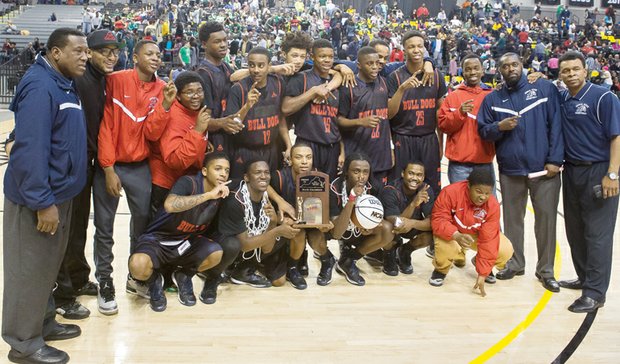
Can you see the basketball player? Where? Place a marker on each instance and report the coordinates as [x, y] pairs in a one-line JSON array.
[[466, 216], [176, 237], [408, 203], [344, 191], [283, 182], [256, 100], [412, 110], [362, 116], [315, 123]]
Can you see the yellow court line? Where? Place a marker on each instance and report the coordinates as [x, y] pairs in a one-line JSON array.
[[529, 319]]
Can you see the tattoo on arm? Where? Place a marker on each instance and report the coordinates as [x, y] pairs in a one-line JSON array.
[[176, 203]]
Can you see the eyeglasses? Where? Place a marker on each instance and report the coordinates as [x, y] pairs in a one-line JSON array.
[[107, 52], [191, 94]]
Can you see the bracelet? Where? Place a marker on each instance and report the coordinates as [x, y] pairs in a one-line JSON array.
[[352, 197]]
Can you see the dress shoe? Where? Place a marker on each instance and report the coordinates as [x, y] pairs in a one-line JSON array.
[[585, 304], [550, 284], [508, 273], [571, 284], [45, 355], [63, 332], [73, 311]]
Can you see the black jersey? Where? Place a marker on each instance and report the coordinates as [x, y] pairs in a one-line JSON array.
[[358, 102], [337, 196], [232, 215], [314, 122], [283, 183], [261, 122], [395, 201], [168, 228], [417, 114]]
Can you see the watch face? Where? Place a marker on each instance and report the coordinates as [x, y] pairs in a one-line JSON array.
[[612, 175]]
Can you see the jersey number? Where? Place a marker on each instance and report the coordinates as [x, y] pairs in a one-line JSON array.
[[267, 137], [419, 118], [375, 134], [328, 125]]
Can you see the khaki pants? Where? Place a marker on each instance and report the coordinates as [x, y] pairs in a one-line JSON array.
[[447, 252]]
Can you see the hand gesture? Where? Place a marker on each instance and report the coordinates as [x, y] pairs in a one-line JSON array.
[[170, 92], [480, 285], [609, 187], [270, 212], [285, 208], [464, 240], [358, 190], [287, 231], [220, 191], [411, 82], [370, 121], [48, 220], [202, 121], [287, 69], [341, 158], [552, 170], [467, 107], [422, 196], [322, 94], [253, 96], [112, 182], [348, 77], [233, 124], [429, 74], [508, 123], [287, 156]]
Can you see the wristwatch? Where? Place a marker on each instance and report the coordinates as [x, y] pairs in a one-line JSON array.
[[612, 176]]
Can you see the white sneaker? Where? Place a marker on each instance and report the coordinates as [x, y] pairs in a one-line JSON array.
[[106, 299], [136, 287]]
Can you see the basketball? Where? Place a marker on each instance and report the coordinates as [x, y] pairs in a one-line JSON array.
[[368, 212]]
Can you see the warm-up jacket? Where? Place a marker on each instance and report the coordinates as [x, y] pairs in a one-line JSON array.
[[132, 116], [48, 160], [537, 139], [463, 143], [180, 150], [453, 211]]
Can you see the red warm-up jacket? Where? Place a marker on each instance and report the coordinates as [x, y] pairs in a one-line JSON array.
[[453, 211], [463, 143], [180, 150], [133, 115]]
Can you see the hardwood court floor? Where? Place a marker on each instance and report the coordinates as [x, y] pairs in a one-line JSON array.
[[390, 320]]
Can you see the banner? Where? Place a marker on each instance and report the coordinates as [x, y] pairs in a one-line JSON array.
[[550, 2], [606, 3], [582, 3]]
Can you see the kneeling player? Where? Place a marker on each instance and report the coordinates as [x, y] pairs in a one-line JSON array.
[[466, 216], [356, 241], [408, 203], [176, 237]]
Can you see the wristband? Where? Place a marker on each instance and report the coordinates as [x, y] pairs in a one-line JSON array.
[[352, 196]]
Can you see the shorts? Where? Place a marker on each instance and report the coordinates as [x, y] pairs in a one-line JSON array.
[[164, 256], [324, 157], [275, 263], [241, 155], [422, 148]]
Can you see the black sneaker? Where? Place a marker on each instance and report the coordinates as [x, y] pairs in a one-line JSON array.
[[436, 279], [250, 277], [89, 289], [376, 258], [297, 280], [349, 270], [389, 262], [186, 288], [73, 311], [404, 261], [106, 298], [209, 290], [156, 292], [327, 266], [430, 251], [302, 265]]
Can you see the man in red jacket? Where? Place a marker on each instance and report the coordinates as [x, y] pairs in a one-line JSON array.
[[466, 216], [457, 119], [133, 115]]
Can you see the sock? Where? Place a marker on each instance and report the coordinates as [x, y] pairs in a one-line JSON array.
[[355, 255], [292, 262]]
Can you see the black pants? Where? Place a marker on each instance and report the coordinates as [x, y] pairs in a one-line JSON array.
[[590, 223], [75, 270]]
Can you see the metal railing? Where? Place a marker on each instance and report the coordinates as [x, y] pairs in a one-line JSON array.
[[11, 72]]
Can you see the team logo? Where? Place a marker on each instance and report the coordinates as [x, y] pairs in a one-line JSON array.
[[581, 109], [152, 103], [531, 94], [480, 214], [274, 95]]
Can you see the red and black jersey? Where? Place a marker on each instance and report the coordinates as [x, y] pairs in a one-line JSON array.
[[283, 183], [261, 122], [417, 114], [361, 101], [314, 122]]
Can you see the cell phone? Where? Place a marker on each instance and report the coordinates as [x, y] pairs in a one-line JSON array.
[[598, 191]]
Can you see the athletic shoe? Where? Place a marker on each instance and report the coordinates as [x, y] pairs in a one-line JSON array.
[[158, 300], [460, 263], [490, 279], [389, 262], [436, 279], [250, 277], [302, 265], [430, 251], [209, 290], [404, 260], [136, 287], [327, 266], [349, 270], [186, 288], [316, 255], [73, 311], [375, 258], [202, 275], [297, 280], [89, 289], [106, 298]]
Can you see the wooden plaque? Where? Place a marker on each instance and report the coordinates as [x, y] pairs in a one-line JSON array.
[[312, 200]]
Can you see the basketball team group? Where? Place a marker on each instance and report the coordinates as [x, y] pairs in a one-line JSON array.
[[208, 166]]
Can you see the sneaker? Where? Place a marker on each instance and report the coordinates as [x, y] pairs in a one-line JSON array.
[[89, 289], [430, 251], [106, 298], [404, 261], [460, 263], [186, 288], [316, 255], [490, 279], [436, 279], [349, 270], [375, 258], [325, 275], [158, 300], [302, 265], [73, 311], [297, 280], [389, 262], [250, 277], [201, 275], [209, 290], [136, 287]]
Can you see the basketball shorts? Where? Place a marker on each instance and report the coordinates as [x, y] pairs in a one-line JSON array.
[[274, 263], [180, 255], [324, 157], [421, 148]]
